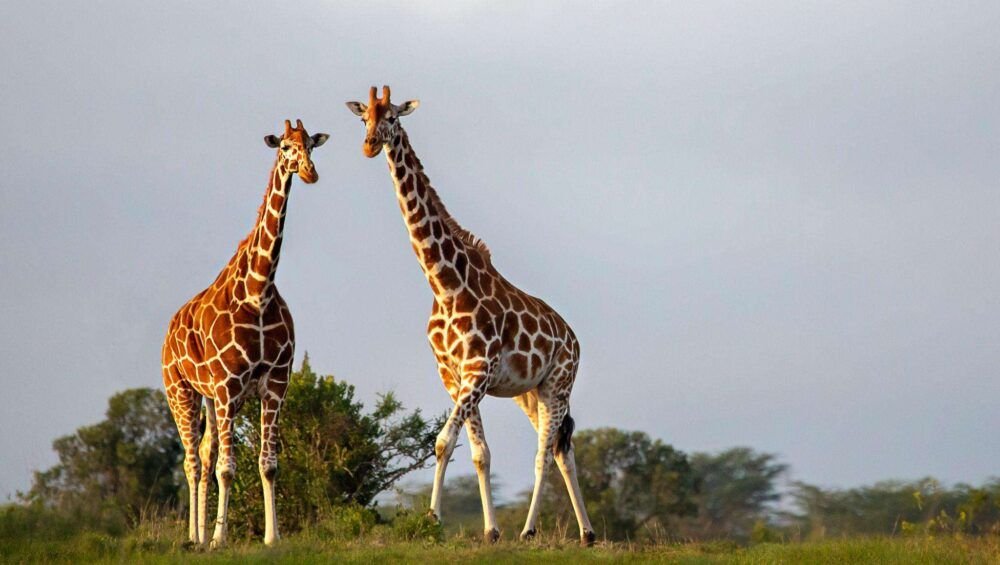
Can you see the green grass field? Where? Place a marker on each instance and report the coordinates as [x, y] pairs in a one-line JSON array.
[[166, 547]]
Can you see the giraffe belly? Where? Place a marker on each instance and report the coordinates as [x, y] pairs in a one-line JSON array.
[[512, 379]]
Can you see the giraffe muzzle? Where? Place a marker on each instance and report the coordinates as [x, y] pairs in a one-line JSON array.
[[372, 148], [309, 175]]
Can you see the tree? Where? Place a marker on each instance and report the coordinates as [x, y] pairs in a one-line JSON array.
[[889, 507], [737, 487], [330, 451], [113, 472], [633, 486]]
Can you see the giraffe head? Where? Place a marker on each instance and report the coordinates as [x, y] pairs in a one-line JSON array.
[[381, 119], [294, 149]]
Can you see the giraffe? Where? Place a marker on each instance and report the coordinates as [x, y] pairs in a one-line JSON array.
[[488, 336], [234, 339]]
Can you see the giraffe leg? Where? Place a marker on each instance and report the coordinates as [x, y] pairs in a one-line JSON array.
[[185, 406], [529, 404], [270, 404], [225, 467], [567, 467], [472, 391], [208, 452], [481, 460], [551, 411]]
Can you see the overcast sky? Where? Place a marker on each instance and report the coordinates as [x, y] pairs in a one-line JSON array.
[[770, 224]]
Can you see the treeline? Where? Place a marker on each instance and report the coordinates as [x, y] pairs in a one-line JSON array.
[[639, 489], [333, 454], [337, 458]]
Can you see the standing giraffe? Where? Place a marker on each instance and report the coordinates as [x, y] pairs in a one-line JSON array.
[[233, 339], [488, 336]]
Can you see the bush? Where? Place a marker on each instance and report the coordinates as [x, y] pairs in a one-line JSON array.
[[331, 453], [347, 522], [408, 525], [113, 473]]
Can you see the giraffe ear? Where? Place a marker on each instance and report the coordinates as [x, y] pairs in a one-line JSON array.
[[319, 139], [407, 108], [272, 141], [357, 107]]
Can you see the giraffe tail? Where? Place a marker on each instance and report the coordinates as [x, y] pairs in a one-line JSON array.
[[565, 435]]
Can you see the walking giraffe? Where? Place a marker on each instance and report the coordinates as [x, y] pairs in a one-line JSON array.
[[488, 336], [233, 339]]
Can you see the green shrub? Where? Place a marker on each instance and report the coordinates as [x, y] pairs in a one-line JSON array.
[[347, 522], [412, 526], [332, 452]]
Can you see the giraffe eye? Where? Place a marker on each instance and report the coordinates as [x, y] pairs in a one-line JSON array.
[[391, 119]]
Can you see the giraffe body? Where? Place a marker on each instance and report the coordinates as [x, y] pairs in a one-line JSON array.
[[232, 340], [488, 336]]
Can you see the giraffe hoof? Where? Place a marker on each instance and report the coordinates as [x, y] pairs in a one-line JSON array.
[[491, 536], [216, 544], [528, 535], [587, 539], [433, 516]]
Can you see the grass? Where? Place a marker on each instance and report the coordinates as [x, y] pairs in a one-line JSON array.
[[163, 543]]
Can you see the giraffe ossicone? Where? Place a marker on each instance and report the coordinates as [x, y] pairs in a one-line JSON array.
[[488, 336], [233, 340]]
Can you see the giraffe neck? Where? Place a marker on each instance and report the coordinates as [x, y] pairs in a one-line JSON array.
[[263, 245], [443, 257]]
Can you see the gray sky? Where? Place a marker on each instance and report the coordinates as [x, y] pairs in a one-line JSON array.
[[770, 225]]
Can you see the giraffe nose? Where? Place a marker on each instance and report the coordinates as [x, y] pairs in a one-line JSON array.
[[371, 140]]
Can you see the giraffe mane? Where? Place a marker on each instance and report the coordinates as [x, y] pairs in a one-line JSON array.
[[467, 237]]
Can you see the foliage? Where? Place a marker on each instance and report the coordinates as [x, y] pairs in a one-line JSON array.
[[461, 503], [331, 452], [347, 522], [416, 526], [737, 487], [115, 471], [917, 507]]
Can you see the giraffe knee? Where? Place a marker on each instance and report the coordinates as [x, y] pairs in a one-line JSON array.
[[542, 460], [443, 444], [192, 467], [440, 449], [208, 460], [269, 472], [225, 473], [481, 460], [268, 469]]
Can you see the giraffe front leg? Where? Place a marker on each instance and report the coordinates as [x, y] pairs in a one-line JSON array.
[[268, 463], [208, 452], [225, 467], [471, 392], [185, 404], [481, 461]]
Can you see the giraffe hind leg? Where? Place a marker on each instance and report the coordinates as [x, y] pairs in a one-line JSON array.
[[553, 413], [208, 452], [225, 467], [566, 461]]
